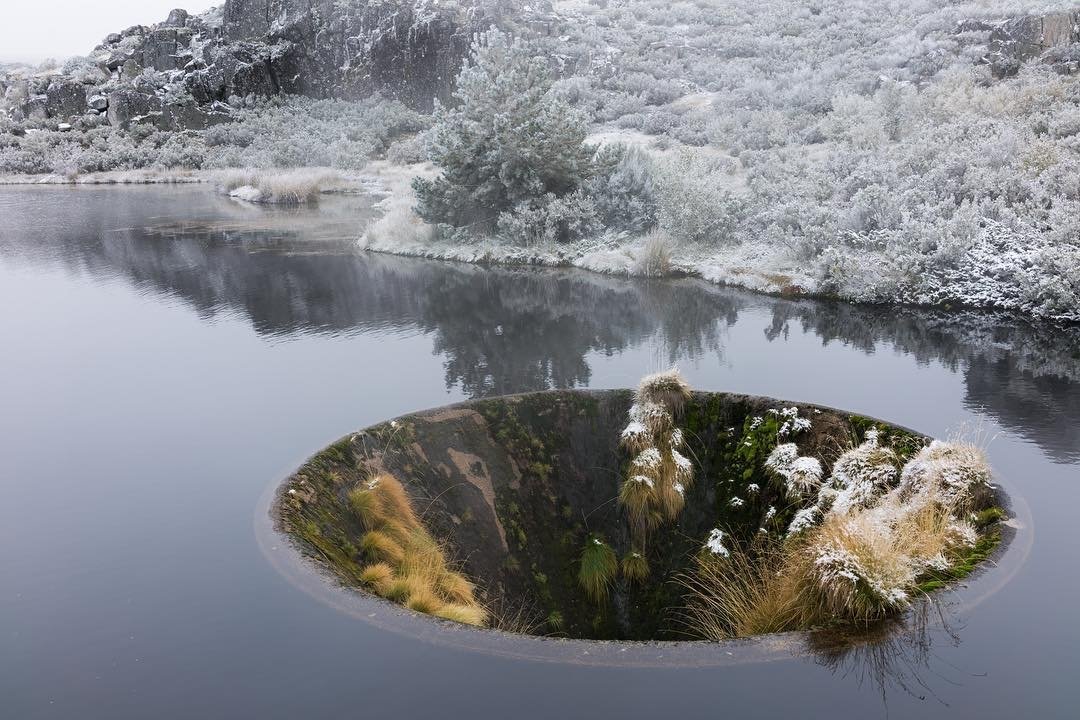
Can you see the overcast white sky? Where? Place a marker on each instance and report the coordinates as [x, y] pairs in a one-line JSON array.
[[33, 30]]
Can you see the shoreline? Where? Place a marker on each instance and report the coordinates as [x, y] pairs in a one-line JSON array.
[[611, 255]]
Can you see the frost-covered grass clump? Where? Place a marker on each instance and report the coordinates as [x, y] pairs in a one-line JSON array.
[[861, 547], [278, 187], [658, 476]]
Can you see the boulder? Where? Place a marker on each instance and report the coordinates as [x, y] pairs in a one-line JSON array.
[[159, 49], [36, 108], [157, 118], [188, 116], [131, 70], [65, 98], [125, 106], [98, 103], [177, 19]]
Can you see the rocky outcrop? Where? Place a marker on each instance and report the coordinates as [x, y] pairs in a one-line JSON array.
[[406, 49], [182, 73], [1053, 38]]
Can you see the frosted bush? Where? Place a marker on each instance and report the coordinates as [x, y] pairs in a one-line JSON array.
[[954, 475], [510, 146], [623, 188], [549, 219], [694, 204]]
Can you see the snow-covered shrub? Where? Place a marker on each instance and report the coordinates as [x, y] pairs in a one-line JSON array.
[[509, 140], [801, 476], [408, 151], [549, 219], [398, 226], [954, 475], [293, 132], [860, 476], [623, 188], [694, 202], [855, 563]]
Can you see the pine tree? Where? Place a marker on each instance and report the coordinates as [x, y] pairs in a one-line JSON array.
[[507, 142]]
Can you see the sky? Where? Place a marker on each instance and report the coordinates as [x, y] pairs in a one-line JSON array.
[[33, 30]]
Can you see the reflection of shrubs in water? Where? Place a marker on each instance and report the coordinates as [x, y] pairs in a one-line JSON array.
[[408, 566], [889, 653]]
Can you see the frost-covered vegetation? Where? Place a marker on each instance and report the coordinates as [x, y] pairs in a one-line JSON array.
[[866, 153], [283, 132], [278, 187], [866, 541], [887, 152], [406, 564], [658, 476]]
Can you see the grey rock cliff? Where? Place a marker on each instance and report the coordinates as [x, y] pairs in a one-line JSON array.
[[1053, 38]]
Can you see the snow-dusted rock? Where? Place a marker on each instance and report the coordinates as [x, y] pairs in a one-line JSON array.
[[248, 193]]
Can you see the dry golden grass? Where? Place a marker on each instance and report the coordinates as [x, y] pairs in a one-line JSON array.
[[380, 546], [763, 589], [379, 576], [410, 566], [467, 614], [858, 567], [423, 600]]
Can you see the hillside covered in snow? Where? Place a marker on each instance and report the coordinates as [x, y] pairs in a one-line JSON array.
[[889, 152]]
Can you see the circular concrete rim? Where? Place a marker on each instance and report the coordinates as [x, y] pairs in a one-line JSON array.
[[319, 583]]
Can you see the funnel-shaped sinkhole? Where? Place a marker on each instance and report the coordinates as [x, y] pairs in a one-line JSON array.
[[520, 492]]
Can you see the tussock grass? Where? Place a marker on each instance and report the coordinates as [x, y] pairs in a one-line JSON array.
[[866, 560], [635, 567], [380, 546], [756, 590], [399, 227], [654, 490], [598, 568], [285, 187], [409, 567], [667, 388], [379, 576], [655, 257], [466, 614]]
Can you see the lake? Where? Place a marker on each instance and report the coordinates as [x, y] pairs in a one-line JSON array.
[[167, 356]]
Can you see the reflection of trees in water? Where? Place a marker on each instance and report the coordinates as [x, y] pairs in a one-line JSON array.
[[1024, 375], [504, 329], [890, 655], [508, 331]]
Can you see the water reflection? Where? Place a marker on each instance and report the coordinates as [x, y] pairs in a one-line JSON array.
[[891, 655], [503, 329]]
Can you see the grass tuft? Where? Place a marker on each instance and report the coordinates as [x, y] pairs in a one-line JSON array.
[[465, 614], [409, 567], [379, 576], [635, 567], [598, 568]]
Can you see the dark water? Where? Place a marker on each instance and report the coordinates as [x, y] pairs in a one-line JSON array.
[[166, 356]]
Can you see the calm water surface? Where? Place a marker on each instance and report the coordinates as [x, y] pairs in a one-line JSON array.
[[166, 356]]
